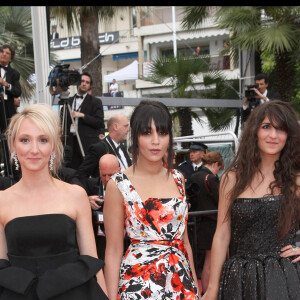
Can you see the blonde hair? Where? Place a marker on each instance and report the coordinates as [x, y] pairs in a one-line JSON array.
[[47, 120]]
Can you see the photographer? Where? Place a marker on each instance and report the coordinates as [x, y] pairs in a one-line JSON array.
[[95, 188], [257, 94]]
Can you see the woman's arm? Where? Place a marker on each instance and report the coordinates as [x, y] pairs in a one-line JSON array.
[[221, 239], [113, 214], [84, 229], [291, 250]]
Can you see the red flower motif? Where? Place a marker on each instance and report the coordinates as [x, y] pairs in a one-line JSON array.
[[146, 293]]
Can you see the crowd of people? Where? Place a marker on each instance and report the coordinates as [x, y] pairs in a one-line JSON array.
[[80, 194]]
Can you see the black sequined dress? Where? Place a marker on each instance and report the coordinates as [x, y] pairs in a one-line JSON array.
[[255, 269], [44, 262]]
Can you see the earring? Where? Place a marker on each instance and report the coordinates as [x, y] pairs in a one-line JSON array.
[[15, 158], [52, 156]]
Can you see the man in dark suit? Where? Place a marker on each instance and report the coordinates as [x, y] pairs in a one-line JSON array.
[[54, 33], [87, 112], [9, 89], [9, 85], [261, 95], [95, 188], [118, 128]]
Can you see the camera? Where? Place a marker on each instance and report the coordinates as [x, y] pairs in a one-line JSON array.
[[60, 78], [250, 95]]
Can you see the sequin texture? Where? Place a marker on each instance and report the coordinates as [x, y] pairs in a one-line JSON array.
[[255, 269]]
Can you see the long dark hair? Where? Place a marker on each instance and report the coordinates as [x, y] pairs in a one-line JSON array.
[[247, 160], [140, 120]]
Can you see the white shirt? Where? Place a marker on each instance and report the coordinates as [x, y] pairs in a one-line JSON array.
[[3, 75], [123, 161], [77, 104], [198, 166], [261, 100], [114, 87]]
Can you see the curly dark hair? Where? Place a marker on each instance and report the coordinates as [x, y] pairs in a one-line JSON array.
[[140, 120], [247, 160], [11, 49]]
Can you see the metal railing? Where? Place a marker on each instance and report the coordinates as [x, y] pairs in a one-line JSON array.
[[192, 230]]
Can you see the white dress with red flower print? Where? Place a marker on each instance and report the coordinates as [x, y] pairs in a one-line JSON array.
[[155, 265]]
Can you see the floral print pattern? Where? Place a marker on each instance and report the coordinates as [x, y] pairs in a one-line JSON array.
[[155, 265]]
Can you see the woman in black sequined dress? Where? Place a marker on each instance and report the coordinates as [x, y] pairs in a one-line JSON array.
[[47, 245], [258, 212]]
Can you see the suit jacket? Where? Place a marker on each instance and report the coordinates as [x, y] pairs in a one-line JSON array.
[[91, 125], [90, 165], [54, 35], [187, 169], [12, 77], [205, 195], [94, 186]]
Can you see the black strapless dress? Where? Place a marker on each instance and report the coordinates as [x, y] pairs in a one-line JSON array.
[[255, 269], [44, 262]]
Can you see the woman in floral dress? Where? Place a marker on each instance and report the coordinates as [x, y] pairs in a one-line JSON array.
[[150, 200]]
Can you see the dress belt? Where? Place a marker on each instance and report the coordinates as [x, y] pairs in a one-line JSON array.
[[176, 243]]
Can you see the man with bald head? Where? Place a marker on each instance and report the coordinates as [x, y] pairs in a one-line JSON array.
[[95, 188], [108, 165], [118, 128]]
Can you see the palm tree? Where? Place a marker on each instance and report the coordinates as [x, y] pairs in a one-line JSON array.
[[271, 29], [221, 118], [179, 73], [16, 30], [87, 19]]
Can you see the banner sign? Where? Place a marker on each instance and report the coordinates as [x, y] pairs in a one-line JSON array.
[[74, 41]]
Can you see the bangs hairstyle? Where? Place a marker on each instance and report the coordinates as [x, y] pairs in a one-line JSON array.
[[141, 119], [281, 116], [248, 158], [47, 120]]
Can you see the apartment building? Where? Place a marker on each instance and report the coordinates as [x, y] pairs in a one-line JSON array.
[[140, 34]]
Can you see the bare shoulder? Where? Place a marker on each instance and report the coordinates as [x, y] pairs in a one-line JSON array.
[[73, 192], [7, 200], [228, 177], [228, 180], [7, 195], [113, 194], [111, 186]]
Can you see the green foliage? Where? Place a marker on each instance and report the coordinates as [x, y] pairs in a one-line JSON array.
[[179, 72], [271, 30], [16, 30]]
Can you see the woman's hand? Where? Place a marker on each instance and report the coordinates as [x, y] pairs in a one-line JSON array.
[[291, 250]]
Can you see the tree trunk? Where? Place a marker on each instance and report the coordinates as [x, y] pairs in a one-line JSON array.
[[284, 76], [185, 121], [90, 49], [257, 62]]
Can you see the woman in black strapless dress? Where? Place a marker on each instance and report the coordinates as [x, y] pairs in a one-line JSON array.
[[47, 246], [258, 214]]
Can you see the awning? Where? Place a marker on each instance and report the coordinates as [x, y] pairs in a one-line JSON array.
[[191, 35], [130, 72]]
